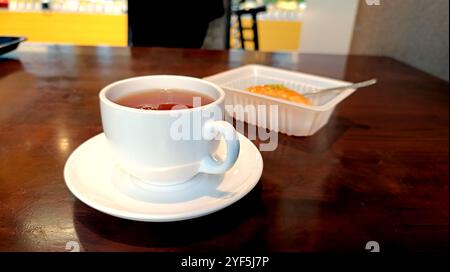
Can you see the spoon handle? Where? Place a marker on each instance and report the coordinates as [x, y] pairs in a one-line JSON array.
[[350, 86]]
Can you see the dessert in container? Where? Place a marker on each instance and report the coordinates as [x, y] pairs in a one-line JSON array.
[[293, 118]]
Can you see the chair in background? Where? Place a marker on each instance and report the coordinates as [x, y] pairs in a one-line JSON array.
[[240, 11]]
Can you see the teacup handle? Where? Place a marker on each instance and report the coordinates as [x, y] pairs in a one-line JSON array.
[[209, 164]]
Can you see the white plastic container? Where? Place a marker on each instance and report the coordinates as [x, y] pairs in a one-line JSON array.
[[293, 118]]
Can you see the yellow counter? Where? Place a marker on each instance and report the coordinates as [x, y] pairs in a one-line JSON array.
[[274, 35], [102, 29], [279, 35], [69, 28]]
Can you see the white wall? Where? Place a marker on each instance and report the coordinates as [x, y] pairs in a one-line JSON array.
[[412, 31], [328, 26]]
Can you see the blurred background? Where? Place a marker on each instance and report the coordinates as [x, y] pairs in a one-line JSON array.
[[412, 31]]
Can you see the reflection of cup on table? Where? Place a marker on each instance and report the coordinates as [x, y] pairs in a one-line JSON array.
[[147, 143]]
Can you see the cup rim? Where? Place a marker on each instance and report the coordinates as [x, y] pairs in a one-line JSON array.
[[107, 101]]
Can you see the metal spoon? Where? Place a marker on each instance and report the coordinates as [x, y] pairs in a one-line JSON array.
[[340, 88]]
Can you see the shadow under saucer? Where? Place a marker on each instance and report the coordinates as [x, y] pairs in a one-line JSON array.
[[97, 230]]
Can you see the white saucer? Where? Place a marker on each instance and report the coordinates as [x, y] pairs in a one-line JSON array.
[[94, 178]]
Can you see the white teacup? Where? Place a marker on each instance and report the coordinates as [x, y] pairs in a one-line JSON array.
[[144, 143]]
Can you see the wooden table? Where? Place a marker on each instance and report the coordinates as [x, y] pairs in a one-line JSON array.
[[378, 171]]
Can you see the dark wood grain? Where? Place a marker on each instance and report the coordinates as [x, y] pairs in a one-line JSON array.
[[378, 170]]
